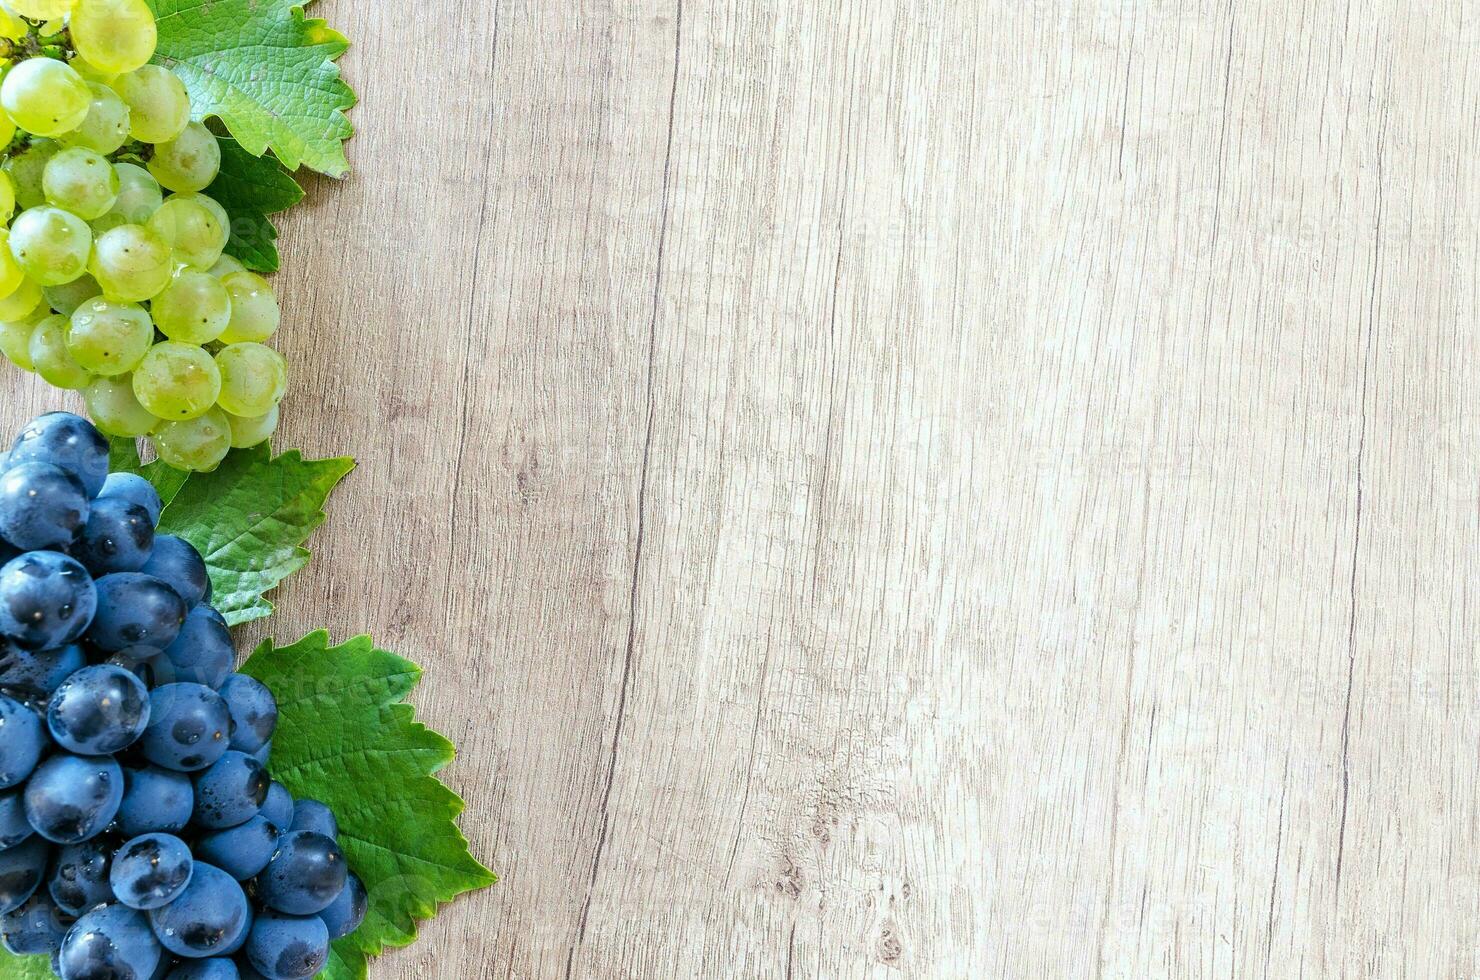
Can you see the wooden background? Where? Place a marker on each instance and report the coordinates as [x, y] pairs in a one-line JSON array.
[[970, 489]]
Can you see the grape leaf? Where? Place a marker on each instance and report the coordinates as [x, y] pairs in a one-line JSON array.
[[250, 188], [266, 71], [25, 967], [248, 518], [346, 737]]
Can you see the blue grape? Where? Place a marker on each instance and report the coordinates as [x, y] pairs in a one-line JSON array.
[[241, 851], [38, 672], [263, 754], [231, 792], [22, 741], [34, 929], [41, 507], [288, 947], [71, 798], [278, 807], [209, 917], [22, 868], [135, 609], [155, 800], [246, 970], [98, 711], [78, 880], [151, 871], [315, 817], [305, 874], [68, 441], [47, 600], [117, 537], [176, 561], [345, 914], [212, 969], [136, 490], [14, 827], [110, 943], [190, 727], [202, 653], [253, 712]]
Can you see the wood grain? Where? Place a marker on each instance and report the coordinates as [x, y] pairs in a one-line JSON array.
[[975, 489]]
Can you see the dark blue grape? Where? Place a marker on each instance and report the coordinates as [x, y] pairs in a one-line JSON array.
[[78, 880], [110, 943], [22, 741], [305, 874], [68, 441], [136, 490], [345, 914], [22, 868], [253, 712], [209, 917], [231, 792], [151, 871], [202, 653], [212, 969], [155, 800], [14, 827], [190, 727], [241, 851], [117, 537], [177, 562], [38, 672], [315, 817], [41, 507], [71, 798], [246, 970], [278, 807], [36, 928], [47, 600], [135, 609], [263, 754], [288, 947], [98, 711]]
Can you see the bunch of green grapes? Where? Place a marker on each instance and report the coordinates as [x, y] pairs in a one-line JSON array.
[[113, 277]]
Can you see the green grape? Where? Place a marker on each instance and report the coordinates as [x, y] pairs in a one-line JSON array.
[[45, 96], [159, 107], [109, 338], [106, 127], [246, 433], [253, 379], [115, 410], [15, 340], [225, 266], [193, 309], [65, 298], [114, 35], [7, 130], [92, 73], [52, 245], [26, 170], [7, 198], [12, 27], [81, 181], [254, 308], [139, 197], [22, 301], [51, 358], [131, 263], [198, 444], [11, 273], [41, 9], [189, 162], [177, 381], [194, 226]]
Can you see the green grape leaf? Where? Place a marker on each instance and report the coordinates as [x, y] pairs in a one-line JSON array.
[[250, 188], [346, 737], [25, 967], [266, 71], [248, 518]]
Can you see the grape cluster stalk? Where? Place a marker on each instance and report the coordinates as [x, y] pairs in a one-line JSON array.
[[141, 836], [113, 277]]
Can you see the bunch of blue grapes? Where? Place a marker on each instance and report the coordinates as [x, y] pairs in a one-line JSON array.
[[141, 836]]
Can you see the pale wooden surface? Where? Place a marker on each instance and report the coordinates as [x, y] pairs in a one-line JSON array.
[[976, 489]]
